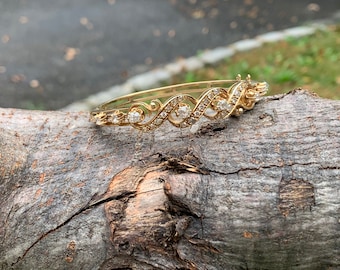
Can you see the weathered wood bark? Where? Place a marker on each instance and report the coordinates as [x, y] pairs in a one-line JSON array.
[[261, 191]]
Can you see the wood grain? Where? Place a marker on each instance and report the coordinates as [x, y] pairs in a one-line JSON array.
[[261, 191]]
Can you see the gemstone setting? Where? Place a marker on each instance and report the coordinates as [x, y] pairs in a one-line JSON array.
[[114, 118], [223, 105], [134, 117], [183, 111]]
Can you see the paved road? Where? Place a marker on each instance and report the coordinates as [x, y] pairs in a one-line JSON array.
[[53, 53]]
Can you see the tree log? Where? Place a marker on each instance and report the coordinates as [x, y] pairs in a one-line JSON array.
[[259, 191]]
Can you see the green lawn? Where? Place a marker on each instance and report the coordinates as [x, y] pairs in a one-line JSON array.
[[311, 62]]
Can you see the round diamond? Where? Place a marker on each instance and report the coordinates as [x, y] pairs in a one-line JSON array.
[[223, 105], [211, 95], [234, 99], [237, 92], [134, 117], [206, 102], [197, 113], [163, 115], [168, 109], [257, 96], [180, 98], [183, 111], [158, 121], [216, 91], [114, 119], [201, 107]]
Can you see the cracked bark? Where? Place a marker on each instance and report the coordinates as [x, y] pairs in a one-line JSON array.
[[256, 192]]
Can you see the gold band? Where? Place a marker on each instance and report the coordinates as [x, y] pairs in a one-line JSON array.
[[182, 104]]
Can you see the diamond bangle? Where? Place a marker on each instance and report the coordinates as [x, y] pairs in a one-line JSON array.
[[182, 105]]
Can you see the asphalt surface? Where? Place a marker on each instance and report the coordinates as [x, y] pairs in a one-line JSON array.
[[53, 53]]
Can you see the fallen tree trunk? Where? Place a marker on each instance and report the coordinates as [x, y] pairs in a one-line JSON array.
[[261, 191]]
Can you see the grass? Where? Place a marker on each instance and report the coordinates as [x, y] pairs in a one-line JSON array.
[[310, 62]]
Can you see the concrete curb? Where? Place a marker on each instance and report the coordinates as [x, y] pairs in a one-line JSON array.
[[155, 77]]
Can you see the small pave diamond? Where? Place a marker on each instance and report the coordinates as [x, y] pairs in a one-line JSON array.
[[168, 108], [114, 119], [216, 91], [197, 113], [211, 95], [134, 117], [237, 92], [206, 102], [100, 118], [180, 98], [234, 99], [158, 121], [163, 115], [100, 122], [201, 107], [257, 96]]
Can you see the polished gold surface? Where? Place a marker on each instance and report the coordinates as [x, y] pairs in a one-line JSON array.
[[182, 105]]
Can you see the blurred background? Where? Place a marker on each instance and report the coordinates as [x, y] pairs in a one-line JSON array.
[[53, 53]]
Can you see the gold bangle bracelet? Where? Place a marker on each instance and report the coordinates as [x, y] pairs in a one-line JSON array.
[[182, 105]]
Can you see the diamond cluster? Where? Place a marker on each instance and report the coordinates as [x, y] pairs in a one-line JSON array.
[[134, 117]]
